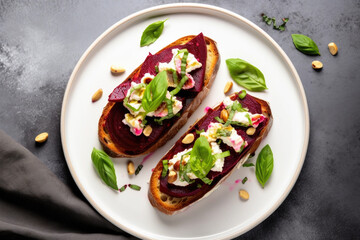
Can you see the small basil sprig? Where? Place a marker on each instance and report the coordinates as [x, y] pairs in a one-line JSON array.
[[264, 165], [155, 92], [269, 20], [305, 44], [246, 75], [201, 159], [105, 167], [152, 33]]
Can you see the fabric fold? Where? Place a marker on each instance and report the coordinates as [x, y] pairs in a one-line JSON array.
[[35, 204]]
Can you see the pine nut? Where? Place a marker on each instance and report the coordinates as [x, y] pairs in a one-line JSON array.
[[147, 131], [244, 194], [189, 138], [131, 168], [224, 115], [333, 48], [172, 177], [250, 131], [116, 69], [317, 65], [97, 95], [228, 86], [42, 137]]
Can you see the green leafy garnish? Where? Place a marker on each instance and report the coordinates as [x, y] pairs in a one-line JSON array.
[[305, 44], [201, 159], [169, 106], [155, 92], [200, 131], [221, 155], [246, 75], [135, 187], [242, 94], [268, 21], [223, 132], [244, 180], [105, 167], [219, 120], [138, 169], [248, 165], [165, 168], [264, 165], [184, 170], [123, 188], [152, 33]]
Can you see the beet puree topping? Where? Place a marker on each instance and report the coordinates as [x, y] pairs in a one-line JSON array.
[[119, 132], [230, 161], [196, 46]]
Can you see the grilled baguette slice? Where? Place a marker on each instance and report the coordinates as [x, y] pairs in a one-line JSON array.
[[171, 205], [212, 66]]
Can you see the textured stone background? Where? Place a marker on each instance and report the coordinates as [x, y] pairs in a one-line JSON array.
[[41, 41]]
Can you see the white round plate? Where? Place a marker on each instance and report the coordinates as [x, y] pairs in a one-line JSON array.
[[222, 215]]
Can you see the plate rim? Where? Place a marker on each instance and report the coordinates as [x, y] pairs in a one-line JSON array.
[[182, 7]]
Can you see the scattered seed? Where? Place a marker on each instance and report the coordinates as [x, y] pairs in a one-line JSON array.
[[131, 168], [228, 86], [42, 137], [317, 65], [116, 69], [189, 138], [333, 48], [244, 194], [250, 131], [97, 95]]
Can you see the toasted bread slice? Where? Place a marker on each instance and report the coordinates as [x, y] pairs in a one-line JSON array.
[[212, 65], [171, 204]]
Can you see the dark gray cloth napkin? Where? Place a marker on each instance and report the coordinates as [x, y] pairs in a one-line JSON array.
[[34, 204]]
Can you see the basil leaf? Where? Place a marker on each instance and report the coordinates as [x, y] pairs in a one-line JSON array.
[[155, 92], [305, 44], [152, 33], [201, 159], [246, 75], [264, 165], [105, 167]]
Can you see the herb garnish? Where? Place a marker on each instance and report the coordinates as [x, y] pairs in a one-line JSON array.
[[242, 94], [305, 44], [135, 187], [123, 188], [155, 92], [165, 168], [105, 167], [152, 33], [246, 75], [200, 131], [219, 120], [268, 21], [244, 180], [248, 165], [138, 169], [264, 165]]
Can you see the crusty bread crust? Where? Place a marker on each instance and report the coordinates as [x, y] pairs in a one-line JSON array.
[[212, 66], [172, 205]]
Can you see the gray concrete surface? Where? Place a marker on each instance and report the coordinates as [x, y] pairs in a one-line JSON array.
[[41, 41]]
